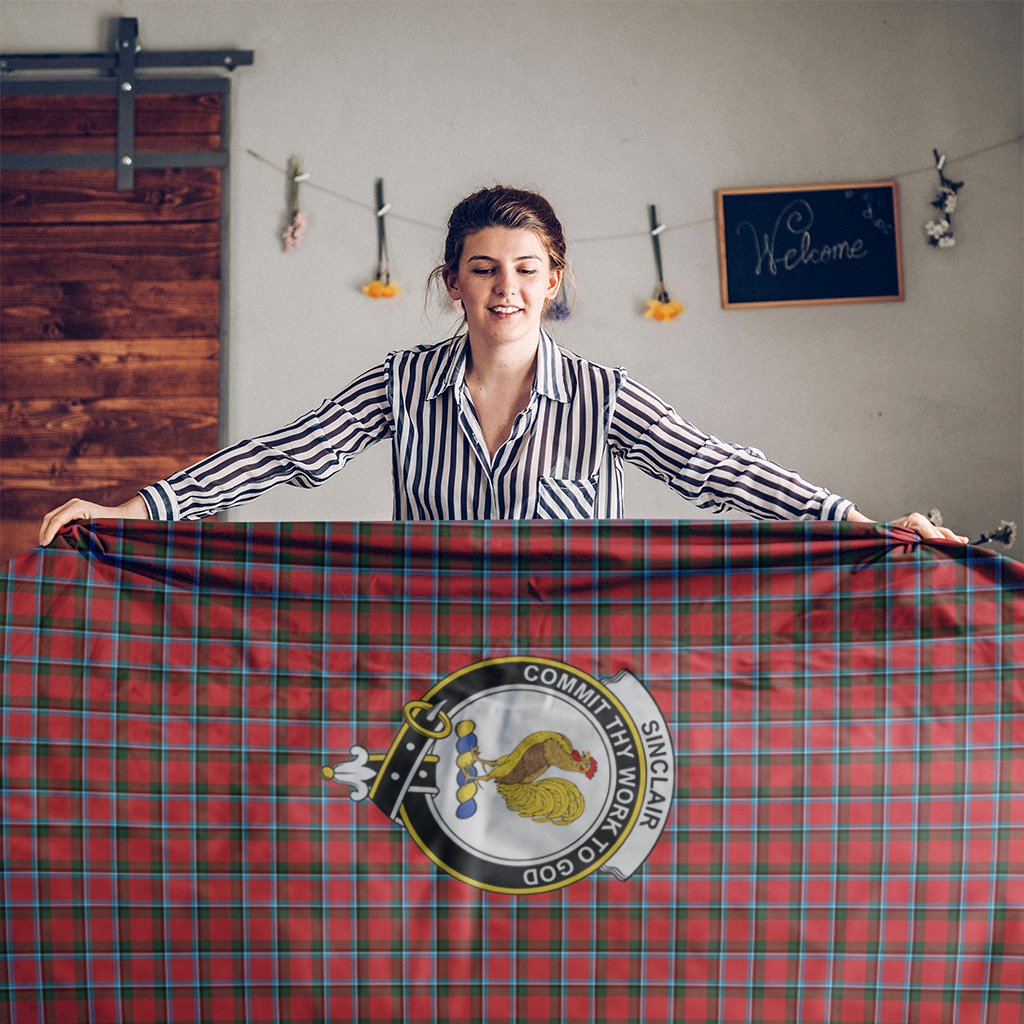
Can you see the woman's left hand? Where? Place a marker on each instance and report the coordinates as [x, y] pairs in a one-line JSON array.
[[919, 524]]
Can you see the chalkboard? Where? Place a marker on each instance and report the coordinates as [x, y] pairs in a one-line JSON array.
[[813, 244]]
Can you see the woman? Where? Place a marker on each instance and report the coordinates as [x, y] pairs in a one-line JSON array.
[[498, 422]]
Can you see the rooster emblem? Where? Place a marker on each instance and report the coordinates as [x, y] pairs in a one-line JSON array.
[[517, 776], [434, 780]]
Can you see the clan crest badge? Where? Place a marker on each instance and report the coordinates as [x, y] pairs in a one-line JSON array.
[[523, 775]]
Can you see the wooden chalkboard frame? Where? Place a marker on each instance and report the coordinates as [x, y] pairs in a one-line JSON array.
[[737, 295]]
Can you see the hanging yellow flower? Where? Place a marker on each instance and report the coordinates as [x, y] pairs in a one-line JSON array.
[[657, 310], [381, 290]]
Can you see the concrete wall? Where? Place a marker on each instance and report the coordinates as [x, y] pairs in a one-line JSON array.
[[606, 107]]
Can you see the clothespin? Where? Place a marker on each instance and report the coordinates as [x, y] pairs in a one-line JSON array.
[[383, 270], [295, 177], [940, 163]]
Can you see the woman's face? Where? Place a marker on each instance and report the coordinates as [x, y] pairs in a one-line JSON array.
[[504, 279]]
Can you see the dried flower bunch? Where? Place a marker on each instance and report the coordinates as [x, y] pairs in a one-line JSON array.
[[381, 287], [940, 231], [1005, 533], [298, 218], [660, 307], [292, 236], [559, 308]]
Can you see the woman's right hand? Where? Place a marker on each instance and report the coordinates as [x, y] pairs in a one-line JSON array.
[[78, 508]]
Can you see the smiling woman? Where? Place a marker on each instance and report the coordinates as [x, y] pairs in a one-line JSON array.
[[504, 282], [496, 422]]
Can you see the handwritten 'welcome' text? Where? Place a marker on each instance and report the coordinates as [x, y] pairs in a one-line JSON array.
[[795, 221]]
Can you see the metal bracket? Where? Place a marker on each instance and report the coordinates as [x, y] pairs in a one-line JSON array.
[[128, 46], [123, 65]]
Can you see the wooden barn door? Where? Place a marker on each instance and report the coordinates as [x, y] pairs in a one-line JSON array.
[[110, 309], [112, 209]]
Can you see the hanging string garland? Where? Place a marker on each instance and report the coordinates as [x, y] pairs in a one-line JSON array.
[[940, 232], [660, 307], [382, 287]]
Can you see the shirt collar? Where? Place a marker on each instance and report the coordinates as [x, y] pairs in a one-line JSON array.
[[451, 370], [551, 376], [549, 381]]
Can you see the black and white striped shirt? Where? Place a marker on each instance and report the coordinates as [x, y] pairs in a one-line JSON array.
[[562, 460]]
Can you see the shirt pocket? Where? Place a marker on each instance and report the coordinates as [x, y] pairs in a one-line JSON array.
[[566, 498]]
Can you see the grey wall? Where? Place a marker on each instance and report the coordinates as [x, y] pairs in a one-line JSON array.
[[606, 107]]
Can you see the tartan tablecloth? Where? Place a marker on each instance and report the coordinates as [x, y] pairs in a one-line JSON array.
[[477, 772]]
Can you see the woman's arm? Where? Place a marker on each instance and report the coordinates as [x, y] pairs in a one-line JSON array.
[[715, 474], [305, 453], [711, 473]]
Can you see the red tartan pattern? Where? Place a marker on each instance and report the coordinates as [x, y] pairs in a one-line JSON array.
[[845, 704]]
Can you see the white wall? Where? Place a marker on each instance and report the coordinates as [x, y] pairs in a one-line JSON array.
[[606, 107]]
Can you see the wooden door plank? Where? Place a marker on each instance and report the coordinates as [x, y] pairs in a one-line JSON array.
[[120, 309], [34, 486], [110, 368], [77, 116], [55, 197], [62, 428], [98, 252], [108, 144]]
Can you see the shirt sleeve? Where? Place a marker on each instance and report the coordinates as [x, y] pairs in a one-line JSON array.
[[304, 453], [713, 474]]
